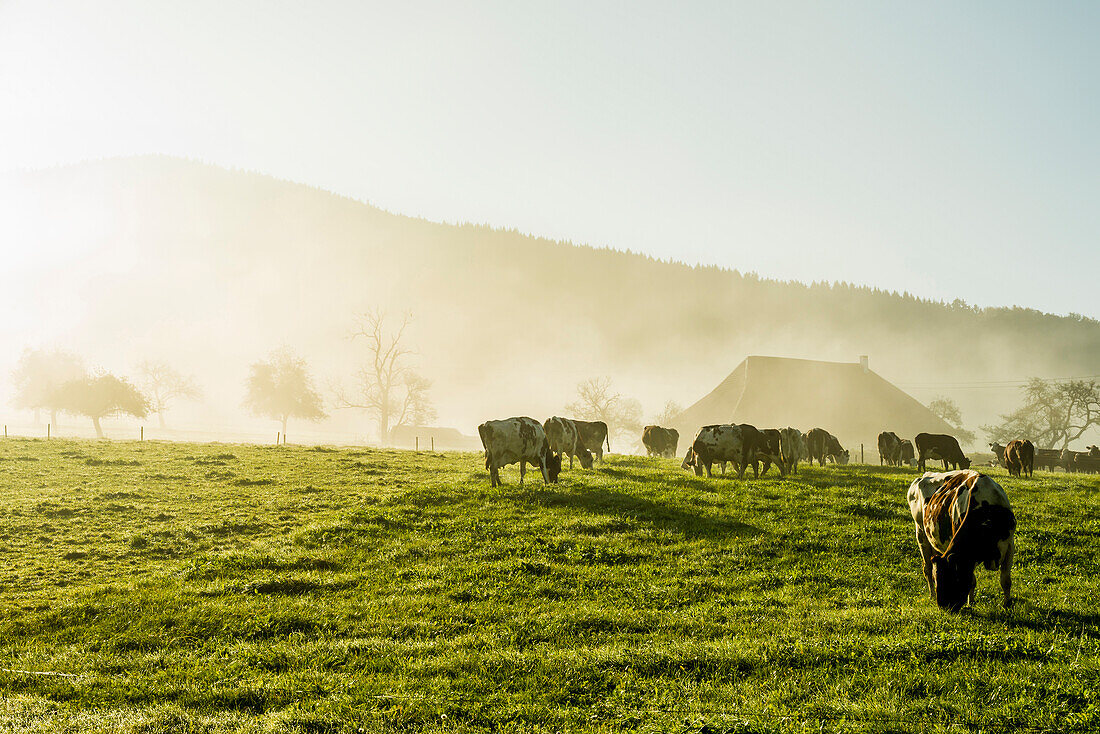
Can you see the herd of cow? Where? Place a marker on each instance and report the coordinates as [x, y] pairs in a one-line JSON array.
[[1085, 462], [546, 445], [962, 517]]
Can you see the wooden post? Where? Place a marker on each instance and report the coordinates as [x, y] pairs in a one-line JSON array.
[[5, 430], [47, 431], [141, 435], [277, 435], [861, 453], [417, 444], [433, 443]]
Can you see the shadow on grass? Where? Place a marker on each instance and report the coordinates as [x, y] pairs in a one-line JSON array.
[[619, 504], [1074, 622]]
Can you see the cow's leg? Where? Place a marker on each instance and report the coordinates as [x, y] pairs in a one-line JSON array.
[[494, 475], [1006, 571], [522, 471], [545, 471], [709, 475], [570, 462], [925, 549]]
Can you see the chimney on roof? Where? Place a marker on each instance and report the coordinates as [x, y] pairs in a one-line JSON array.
[[863, 362]]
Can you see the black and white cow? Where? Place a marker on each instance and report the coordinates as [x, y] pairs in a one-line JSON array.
[[962, 518], [715, 444], [564, 441], [769, 450], [593, 435], [519, 440], [790, 446], [943, 447]]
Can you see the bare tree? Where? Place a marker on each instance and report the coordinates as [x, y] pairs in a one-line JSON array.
[[1053, 413], [163, 385], [281, 388], [386, 386], [597, 401], [38, 376], [669, 414]]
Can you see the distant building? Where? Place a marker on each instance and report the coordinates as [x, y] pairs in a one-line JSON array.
[[845, 398]]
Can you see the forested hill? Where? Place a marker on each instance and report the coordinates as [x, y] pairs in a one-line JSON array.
[[216, 267]]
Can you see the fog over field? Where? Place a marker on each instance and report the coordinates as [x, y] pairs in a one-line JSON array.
[[210, 270]]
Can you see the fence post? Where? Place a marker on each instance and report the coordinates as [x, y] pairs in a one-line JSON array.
[[861, 454], [141, 435], [47, 431], [433, 444], [417, 444], [277, 435]]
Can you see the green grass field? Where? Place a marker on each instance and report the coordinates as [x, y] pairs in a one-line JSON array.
[[181, 587]]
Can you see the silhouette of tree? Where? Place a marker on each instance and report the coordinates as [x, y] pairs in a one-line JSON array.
[[163, 385], [387, 387], [948, 410], [597, 401], [39, 374], [1053, 413], [282, 388], [100, 396]]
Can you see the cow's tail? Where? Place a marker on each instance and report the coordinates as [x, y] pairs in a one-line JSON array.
[[483, 431]]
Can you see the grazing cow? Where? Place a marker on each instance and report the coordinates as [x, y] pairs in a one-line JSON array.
[[519, 440], [822, 445], [790, 447], [769, 450], [1094, 452], [889, 449], [803, 448], [999, 450], [907, 453], [660, 441], [962, 518], [715, 444], [1019, 458], [593, 434], [940, 446], [564, 441], [1048, 458]]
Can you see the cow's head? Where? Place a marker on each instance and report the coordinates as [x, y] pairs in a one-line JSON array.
[[585, 456], [691, 461], [843, 456], [553, 464], [952, 581], [964, 463]]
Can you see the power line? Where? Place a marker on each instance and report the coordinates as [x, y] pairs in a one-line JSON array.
[[987, 384]]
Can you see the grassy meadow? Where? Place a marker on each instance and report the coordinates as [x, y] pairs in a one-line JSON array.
[[157, 587]]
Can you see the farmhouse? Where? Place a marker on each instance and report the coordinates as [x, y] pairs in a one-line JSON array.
[[845, 398]]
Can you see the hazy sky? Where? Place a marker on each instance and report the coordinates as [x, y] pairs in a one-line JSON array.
[[949, 149]]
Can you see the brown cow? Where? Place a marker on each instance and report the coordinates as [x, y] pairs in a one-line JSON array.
[[660, 441], [1019, 458], [889, 449]]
